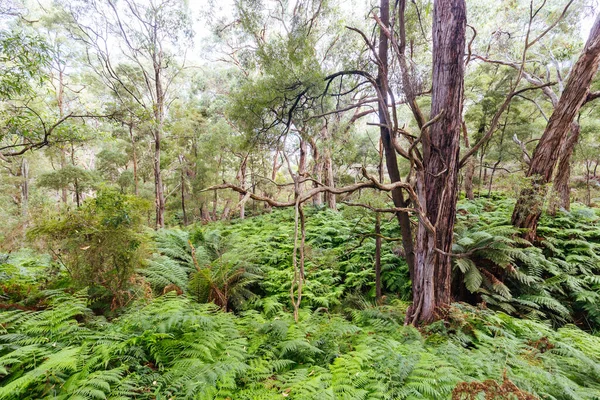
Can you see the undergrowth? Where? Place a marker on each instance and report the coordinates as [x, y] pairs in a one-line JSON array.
[[174, 348], [517, 341]]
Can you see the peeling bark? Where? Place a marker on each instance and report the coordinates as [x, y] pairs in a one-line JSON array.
[[437, 183], [528, 208]]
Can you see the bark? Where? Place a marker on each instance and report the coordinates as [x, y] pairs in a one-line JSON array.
[[24, 187], [302, 161], [329, 179], [386, 139], [134, 160], [562, 189], [159, 200], [63, 164], [242, 182], [437, 184], [204, 213], [528, 208], [317, 171], [182, 164], [159, 114], [226, 210], [380, 165], [378, 256], [469, 167]]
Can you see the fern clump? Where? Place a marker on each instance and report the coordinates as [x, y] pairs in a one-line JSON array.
[[558, 281], [173, 347]]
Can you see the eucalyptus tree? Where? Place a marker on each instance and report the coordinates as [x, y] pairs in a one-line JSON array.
[[132, 37], [529, 205]]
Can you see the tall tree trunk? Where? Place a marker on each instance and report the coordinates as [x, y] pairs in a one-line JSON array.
[[242, 183], [469, 167], [302, 162], [24, 188], [562, 189], [528, 208], [329, 179], [182, 165], [378, 256], [134, 159], [317, 172], [61, 112], [63, 165], [437, 185], [159, 114], [390, 152], [158, 186]]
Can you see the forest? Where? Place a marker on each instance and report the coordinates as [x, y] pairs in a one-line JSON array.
[[303, 199]]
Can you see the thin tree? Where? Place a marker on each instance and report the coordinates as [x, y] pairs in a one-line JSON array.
[[147, 34]]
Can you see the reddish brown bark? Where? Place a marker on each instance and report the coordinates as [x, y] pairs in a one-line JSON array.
[[437, 185], [528, 208]]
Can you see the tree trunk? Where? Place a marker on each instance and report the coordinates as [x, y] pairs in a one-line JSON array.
[[158, 186], [182, 165], [528, 208], [24, 188], [302, 161], [242, 183], [317, 172], [226, 210], [329, 179], [437, 185], [159, 114], [469, 167], [386, 139], [63, 165], [134, 160], [562, 189], [378, 256]]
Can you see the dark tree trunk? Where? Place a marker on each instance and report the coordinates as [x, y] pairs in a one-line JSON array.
[[378, 256], [562, 189], [437, 185], [63, 165], [182, 165], [528, 208], [24, 188], [317, 171], [159, 197], [76, 183], [386, 139], [159, 114]]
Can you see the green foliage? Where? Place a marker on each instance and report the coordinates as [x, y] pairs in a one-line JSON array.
[[78, 178], [100, 244], [210, 272], [338, 263], [558, 281], [22, 57], [24, 274], [174, 347]]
